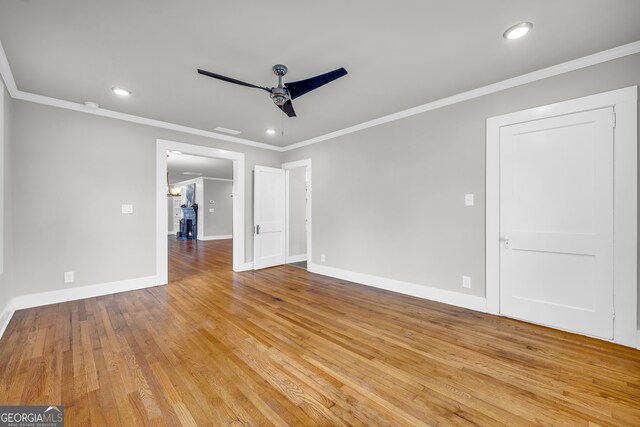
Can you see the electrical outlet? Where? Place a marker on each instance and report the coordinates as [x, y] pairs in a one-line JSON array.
[[68, 277], [466, 282], [127, 209], [323, 258]]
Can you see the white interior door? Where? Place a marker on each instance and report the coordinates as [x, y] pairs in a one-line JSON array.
[[269, 217], [556, 222]]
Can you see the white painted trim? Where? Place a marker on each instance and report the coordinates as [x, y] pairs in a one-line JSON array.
[[2, 180], [6, 74], [53, 102], [625, 103], [296, 258], [82, 292], [6, 315], [471, 302], [220, 237], [186, 182], [247, 266], [216, 179], [288, 166], [565, 67], [287, 205], [161, 194], [637, 346]]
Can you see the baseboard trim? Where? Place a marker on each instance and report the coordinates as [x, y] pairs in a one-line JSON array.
[[638, 340], [5, 316], [471, 302], [247, 266], [296, 258], [220, 237], [82, 292]]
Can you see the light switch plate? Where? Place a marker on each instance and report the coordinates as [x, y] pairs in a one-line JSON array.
[[468, 199], [68, 277], [212, 210], [322, 258], [127, 209]]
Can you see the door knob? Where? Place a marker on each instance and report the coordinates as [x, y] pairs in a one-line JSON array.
[[257, 229], [505, 238]]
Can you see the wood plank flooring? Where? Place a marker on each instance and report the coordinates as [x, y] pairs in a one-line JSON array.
[[285, 347]]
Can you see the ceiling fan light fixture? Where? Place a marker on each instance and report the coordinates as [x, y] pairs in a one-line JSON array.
[[517, 31], [121, 91]]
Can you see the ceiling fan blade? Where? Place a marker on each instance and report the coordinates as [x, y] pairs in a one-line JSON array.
[[230, 80], [288, 109], [301, 87]]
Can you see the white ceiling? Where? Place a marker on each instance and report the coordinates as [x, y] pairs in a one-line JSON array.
[[178, 164], [398, 54]]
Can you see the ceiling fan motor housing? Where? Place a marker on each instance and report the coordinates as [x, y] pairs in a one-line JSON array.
[[279, 95]]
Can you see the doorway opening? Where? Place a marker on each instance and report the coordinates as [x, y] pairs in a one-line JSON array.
[[282, 215], [534, 256], [214, 183], [199, 211], [298, 213]]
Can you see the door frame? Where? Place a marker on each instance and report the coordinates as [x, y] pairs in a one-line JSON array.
[[288, 166], [162, 249], [625, 191], [258, 260]]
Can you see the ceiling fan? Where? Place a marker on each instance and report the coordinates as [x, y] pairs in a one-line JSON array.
[[283, 94]]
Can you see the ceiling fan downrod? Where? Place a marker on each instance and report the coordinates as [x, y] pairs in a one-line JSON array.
[[279, 94]]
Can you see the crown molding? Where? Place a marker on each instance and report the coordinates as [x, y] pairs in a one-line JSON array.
[[39, 99], [6, 74], [10, 83], [216, 179], [565, 67]]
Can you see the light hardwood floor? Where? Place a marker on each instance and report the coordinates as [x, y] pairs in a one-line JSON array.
[[285, 347]]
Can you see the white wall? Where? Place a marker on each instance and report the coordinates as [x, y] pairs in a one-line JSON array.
[[388, 201], [219, 222], [96, 164], [170, 213]]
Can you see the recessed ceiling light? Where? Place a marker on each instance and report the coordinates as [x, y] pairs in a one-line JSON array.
[[227, 130], [121, 91], [517, 31], [271, 131]]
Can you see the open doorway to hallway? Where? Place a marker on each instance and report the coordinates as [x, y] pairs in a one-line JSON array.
[[199, 212], [163, 220]]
